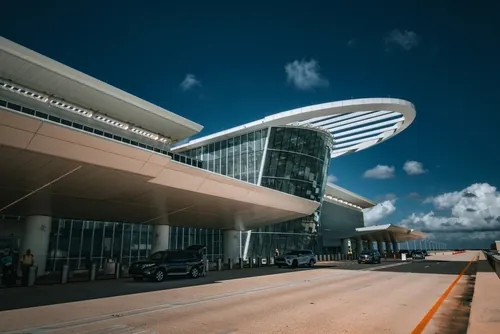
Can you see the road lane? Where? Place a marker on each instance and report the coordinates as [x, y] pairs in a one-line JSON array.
[[345, 299]]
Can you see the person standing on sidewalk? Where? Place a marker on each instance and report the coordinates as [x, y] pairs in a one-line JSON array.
[[27, 262]]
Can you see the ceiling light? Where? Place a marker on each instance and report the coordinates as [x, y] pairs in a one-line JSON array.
[[110, 121], [70, 108], [23, 91], [144, 133]]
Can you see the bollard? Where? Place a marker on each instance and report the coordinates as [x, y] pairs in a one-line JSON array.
[[230, 264], [272, 260], [92, 272], [64, 274], [32, 275], [117, 270], [219, 264], [242, 263]]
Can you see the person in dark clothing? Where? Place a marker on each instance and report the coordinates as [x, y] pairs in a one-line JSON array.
[[8, 276]]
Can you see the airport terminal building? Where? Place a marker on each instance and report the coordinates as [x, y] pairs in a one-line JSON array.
[[92, 172]]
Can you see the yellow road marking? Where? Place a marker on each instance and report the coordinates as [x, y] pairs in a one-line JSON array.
[[427, 318]]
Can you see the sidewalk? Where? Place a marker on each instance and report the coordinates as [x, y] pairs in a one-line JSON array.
[[485, 310]]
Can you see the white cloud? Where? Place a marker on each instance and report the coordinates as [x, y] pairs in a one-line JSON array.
[[305, 75], [379, 212], [414, 168], [331, 179], [473, 215], [380, 172], [189, 82], [406, 40]]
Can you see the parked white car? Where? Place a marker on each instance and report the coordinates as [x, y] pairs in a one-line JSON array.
[[296, 258]]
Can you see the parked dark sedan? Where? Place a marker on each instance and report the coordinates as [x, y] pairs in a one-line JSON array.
[[369, 256]]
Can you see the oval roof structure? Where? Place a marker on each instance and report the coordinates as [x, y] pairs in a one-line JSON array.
[[32, 70], [354, 124]]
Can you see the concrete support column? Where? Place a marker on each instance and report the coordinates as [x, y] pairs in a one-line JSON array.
[[359, 246], [36, 238], [380, 246], [395, 247], [231, 245], [370, 244], [346, 243], [388, 247], [161, 238]]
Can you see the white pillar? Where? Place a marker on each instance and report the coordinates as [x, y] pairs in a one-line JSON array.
[[36, 238], [346, 243], [359, 246], [161, 238], [231, 248], [380, 246]]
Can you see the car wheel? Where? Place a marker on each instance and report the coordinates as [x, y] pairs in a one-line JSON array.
[[138, 279], [311, 263], [195, 272], [295, 264], [160, 276]]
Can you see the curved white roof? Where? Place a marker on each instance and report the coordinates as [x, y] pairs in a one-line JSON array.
[[32, 70], [354, 124]]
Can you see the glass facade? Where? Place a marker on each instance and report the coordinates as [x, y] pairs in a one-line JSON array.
[[239, 157], [182, 237], [297, 162], [73, 242]]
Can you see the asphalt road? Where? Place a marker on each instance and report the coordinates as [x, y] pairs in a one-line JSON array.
[[340, 298]]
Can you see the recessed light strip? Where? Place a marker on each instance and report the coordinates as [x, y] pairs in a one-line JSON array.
[[9, 86], [110, 121], [75, 110], [23, 91]]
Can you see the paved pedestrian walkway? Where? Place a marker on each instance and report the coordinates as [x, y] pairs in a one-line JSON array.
[[485, 309]]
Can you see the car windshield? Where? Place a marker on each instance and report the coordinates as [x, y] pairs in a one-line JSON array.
[[157, 256], [366, 253], [417, 252], [293, 253]]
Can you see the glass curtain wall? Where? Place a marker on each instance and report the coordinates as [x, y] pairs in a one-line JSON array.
[[72, 242], [296, 162], [182, 237], [239, 157]]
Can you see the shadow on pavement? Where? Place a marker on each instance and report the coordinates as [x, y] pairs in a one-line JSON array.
[[43, 295], [420, 267]]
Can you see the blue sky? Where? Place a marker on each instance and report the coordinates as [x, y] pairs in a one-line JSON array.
[[443, 56]]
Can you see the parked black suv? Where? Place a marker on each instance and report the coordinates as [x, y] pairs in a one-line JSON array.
[[189, 262], [369, 256]]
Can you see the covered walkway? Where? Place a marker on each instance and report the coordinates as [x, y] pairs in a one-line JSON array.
[[386, 237]]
